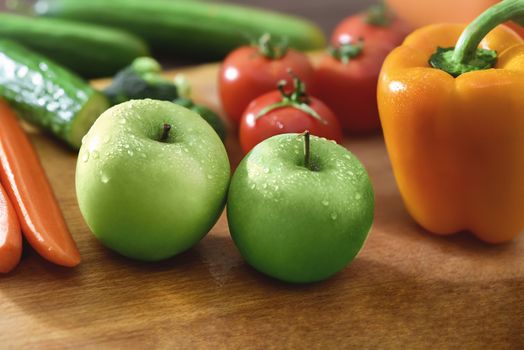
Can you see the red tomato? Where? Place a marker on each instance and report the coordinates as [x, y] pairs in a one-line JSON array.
[[287, 119], [349, 89], [390, 33], [247, 74]]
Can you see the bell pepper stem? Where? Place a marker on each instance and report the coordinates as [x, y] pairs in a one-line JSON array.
[[466, 56], [471, 37]]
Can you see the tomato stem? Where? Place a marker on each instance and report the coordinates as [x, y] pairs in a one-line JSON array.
[[165, 132], [272, 49], [307, 152], [345, 52], [379, 15], [297, 98]]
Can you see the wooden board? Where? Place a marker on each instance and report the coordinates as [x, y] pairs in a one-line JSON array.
[[407, 288]]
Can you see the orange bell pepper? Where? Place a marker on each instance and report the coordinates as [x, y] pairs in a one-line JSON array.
[[456, 144]]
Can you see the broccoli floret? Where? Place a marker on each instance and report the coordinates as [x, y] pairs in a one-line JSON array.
[[142, 79]]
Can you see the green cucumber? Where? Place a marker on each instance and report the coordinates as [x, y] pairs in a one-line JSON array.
[[87, 49], [189, 28], [47, 95]]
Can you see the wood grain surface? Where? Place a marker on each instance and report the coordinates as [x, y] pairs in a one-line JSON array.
[[407, 289]]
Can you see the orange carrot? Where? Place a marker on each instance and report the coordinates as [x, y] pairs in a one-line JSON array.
[[10, 235], [27, 186]]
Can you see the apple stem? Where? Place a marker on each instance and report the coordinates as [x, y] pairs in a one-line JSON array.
[[306, 149], [165, 132]]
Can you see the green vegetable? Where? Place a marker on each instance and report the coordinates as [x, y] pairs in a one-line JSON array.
[[47, 95], [189, 28], [209, 116], [87, 49], [142, 79]]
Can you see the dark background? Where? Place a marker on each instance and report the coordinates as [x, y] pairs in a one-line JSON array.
[[326, 13]]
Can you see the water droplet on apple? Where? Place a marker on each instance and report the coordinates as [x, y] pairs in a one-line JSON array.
[[253, 186], [106, 139], [130, 152], [347, 156], [280, 125], [104, 178], [325, 202], [95, 154], [209, 176], [266, 170], [122, 121], [85, 157], [276, 187], [264, 186], [84, 139], [358, 196], [334, 216]]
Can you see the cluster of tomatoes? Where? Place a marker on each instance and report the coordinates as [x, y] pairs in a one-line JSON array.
[[263, 87]]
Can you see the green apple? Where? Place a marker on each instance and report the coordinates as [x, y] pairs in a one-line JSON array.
[[151, 179], [300, 210]]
